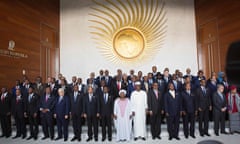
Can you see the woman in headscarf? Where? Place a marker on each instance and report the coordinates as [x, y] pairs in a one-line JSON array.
[[233, 99]]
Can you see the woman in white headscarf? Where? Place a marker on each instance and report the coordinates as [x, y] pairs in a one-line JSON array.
[[122, 116]]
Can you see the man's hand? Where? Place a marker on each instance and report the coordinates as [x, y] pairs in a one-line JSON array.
[[133, 113], [66, 116], [98, 115], [25, 114], [55, 115], [167, 114], [35, 115], [150, 112], [210, 108], [85, 115], [199, 109]]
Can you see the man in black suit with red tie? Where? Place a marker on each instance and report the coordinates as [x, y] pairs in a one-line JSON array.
[[18, 108], [76, 103], [31, 111], [155, 108], [106, 112], [5, 112], [47, 102], [204, 105], [91, 113]]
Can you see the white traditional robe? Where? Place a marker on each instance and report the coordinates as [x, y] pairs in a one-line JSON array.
[[139, 106], [123, 121]]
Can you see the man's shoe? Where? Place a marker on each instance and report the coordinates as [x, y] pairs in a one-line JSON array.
[[170, 138], [177, 138], [29, 138], [158, 137], [193, 136], [89, 139], [135, 139], [17, 136], [207, 134], [73, 139], [217, 134], [143, 138], [58, 138], [44, 138]]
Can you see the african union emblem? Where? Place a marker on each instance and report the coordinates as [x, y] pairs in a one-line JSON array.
[[128, 31]]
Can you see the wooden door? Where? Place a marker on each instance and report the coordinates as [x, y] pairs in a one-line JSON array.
[[208, 48]]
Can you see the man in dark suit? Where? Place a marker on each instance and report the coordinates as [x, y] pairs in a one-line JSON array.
[[74, 82], [18, 108], [91, 113], [31, 111], [189, 110], [99, 90], [61, 114], [76, 103], [81, 86], [131, 85], [155, 107], [106, 112], [5, 113], [204, 105], [173, 107], [47, 103], [219, 109], [177, 84], [108, 79], [100, 78], [116, 86]]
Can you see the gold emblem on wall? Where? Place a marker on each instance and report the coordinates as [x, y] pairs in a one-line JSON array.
[[128, 31]]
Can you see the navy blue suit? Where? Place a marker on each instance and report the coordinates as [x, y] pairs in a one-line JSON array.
[[47, 117], [173, 107], [130, 89], [189, 108], [77, 112], [62, 108], [91, 108]]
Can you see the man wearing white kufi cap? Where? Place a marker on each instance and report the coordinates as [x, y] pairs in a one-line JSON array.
[[139, 107]]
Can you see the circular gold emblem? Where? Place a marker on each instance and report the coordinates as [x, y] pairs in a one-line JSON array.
[[128, 43]]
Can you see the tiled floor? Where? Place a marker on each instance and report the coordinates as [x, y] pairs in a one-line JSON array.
[[225, 139]]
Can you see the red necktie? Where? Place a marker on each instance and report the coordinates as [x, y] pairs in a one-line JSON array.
[[118, 85]]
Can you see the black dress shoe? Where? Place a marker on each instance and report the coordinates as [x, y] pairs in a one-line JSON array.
[[45, 138], [224, 132], [186, 137], [65, 139], [79, 139], [143, 138], [170, 138], [217, 134], [177, 138], [193, 136], [29, 137], [153, 138], [103, 139], [17, 136], [89, 139], [202, 135], [96, 139], [58, 138], [73, 139], [109, 139], [207, 134], [158, 137], [135, 139], [24, 136], [35, 138]]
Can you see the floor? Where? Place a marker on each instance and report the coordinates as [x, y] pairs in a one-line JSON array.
[[225, 139]]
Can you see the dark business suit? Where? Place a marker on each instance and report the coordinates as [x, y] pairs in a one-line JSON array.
[[130, 89], [108, 80], [91, 108], [114, 88], [155, 104], [32, 108], [106, 112], [18, 109], [173, 107], [189, 109], [47, 118], [218, 115], [5, 114], [76, 102], [204, 103], [62, 108]]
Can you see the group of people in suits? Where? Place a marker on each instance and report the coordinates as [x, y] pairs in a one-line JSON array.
[[151, 99]]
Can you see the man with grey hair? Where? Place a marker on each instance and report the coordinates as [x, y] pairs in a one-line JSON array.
[[219, 109], [62, 109]]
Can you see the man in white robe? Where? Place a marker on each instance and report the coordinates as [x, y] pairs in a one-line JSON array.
[[139, 108], [122, 116]]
